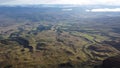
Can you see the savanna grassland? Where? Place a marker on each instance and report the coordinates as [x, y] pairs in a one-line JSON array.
[[42, 37]]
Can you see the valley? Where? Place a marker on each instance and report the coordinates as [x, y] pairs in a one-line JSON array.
[[51, 38]]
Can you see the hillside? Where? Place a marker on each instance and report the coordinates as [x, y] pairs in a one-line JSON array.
[[42, 37]]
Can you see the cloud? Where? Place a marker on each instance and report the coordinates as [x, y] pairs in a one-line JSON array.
[[104, 10], [15, 2], [81, 2], [69, 9], [4, 1]]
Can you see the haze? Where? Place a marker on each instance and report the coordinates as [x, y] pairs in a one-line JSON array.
[[80, 2]]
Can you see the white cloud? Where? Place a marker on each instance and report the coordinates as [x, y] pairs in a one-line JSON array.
[[104, 10], [48, 2], [69, 9], [81, 2]]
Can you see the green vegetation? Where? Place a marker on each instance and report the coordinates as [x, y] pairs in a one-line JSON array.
[[54, 39]]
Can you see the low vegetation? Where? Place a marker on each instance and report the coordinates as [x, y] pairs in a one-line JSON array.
[[56, 40]]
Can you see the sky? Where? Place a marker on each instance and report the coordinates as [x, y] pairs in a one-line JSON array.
[[80, 2]]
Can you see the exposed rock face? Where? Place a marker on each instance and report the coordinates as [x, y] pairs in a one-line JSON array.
[[112, 62]]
